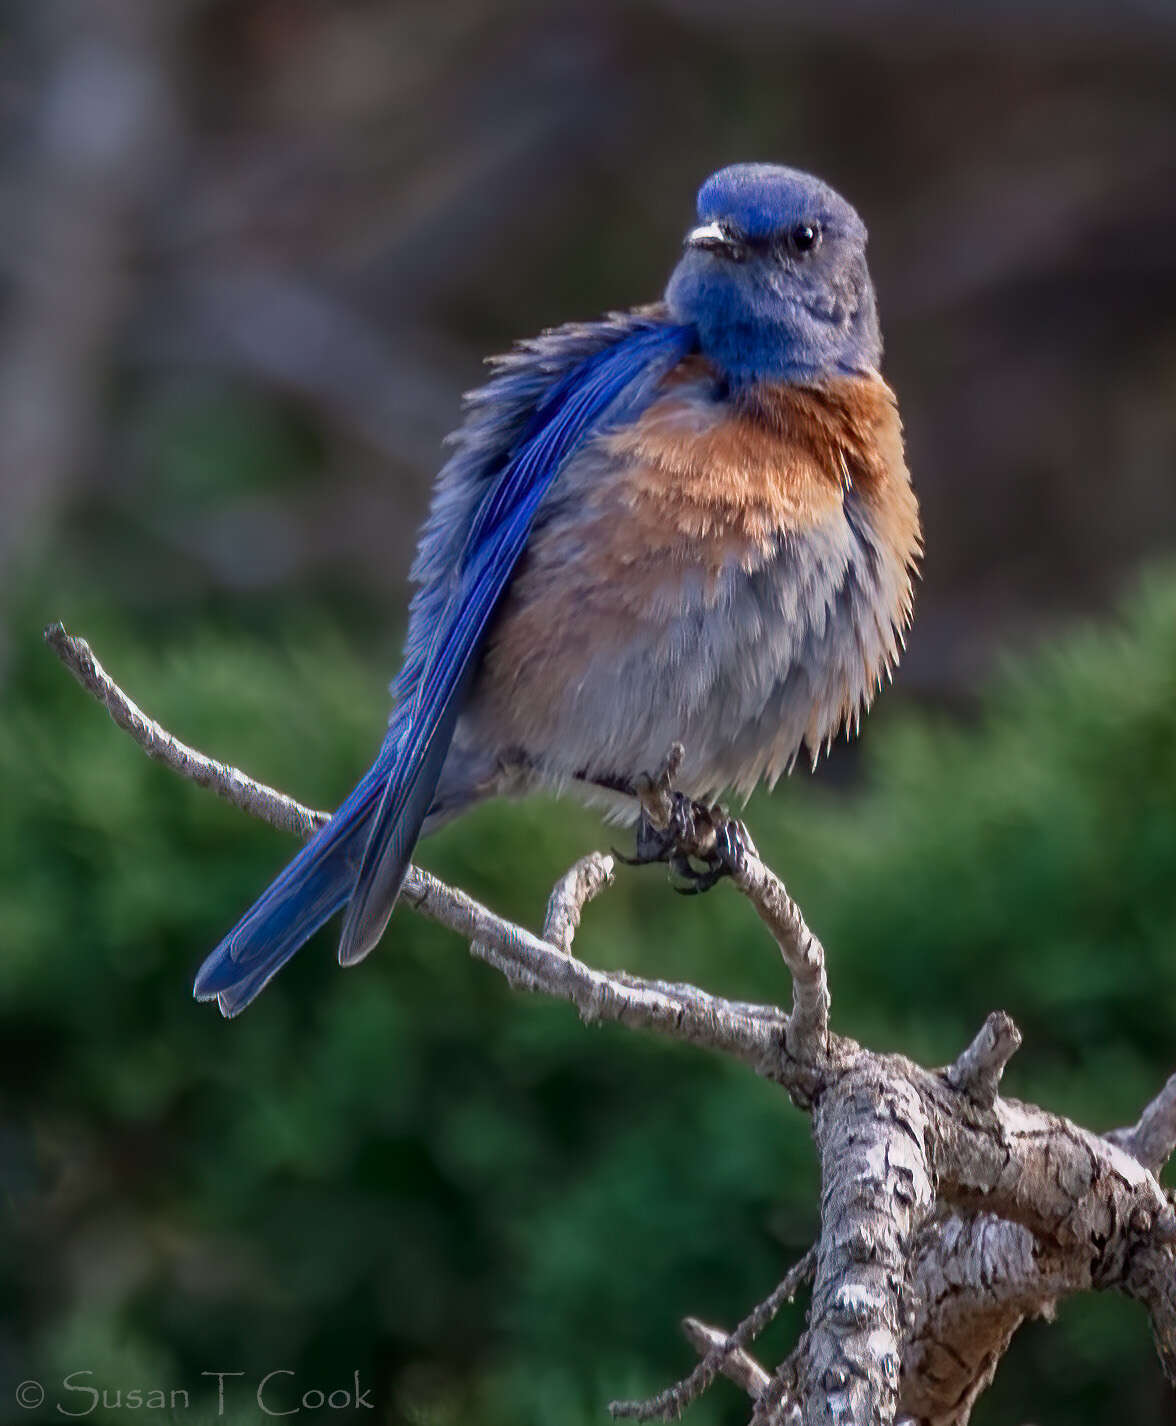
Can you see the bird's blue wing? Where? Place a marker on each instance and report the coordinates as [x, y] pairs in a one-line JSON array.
[[604, 389], [545, 401]]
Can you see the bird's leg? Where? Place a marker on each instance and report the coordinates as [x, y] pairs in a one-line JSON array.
[[702, 843], [666, 821], [669, 831]]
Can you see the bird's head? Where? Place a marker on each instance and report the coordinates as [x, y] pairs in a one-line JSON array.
[[775, 279]]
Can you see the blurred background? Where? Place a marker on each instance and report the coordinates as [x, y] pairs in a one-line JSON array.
[[253, 251]]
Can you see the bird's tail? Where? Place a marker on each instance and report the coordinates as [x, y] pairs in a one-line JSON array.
[[316, 884]]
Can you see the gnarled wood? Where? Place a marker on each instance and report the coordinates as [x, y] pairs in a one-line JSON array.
[[949, 1214]]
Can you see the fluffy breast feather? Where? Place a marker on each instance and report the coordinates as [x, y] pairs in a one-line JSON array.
[[733, 572]]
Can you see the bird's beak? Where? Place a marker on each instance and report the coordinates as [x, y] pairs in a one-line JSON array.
[[709, 236]]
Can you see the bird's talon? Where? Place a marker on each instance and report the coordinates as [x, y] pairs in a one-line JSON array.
[[702, 843], [734, 846], [687, 879]]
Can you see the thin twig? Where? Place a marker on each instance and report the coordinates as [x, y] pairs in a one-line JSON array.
[[808, 1026], [807, 1034], [681, 1011], [573, 891], [670, 1403], [1060, 1183], [246, 794], [737, 1365]]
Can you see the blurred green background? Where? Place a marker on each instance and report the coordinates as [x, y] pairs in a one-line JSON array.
[[252, 252]]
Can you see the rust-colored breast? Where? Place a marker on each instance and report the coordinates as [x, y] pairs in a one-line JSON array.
[[852, 426], [657, 517], [737, 480], [690, 490]]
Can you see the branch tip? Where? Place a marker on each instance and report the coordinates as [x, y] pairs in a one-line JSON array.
[[807, 1036], [684, 1012], [977, 1072], [571, 893], [787, 1050], [669, 1404], [1152, 1140], [245, 793]]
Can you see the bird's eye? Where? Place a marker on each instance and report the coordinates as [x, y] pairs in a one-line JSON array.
[[805, 237]]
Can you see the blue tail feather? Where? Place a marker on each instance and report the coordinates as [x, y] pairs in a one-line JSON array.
[[594, 390], [394, 828], [306, 894], [361, 856]]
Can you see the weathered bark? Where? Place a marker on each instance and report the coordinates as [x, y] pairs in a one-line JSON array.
[[949, 1214], [872, 1132]]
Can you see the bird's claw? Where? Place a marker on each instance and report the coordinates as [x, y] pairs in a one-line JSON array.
[[702, 844], [721, 851]]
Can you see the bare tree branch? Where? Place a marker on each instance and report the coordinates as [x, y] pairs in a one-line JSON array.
[[738, 1365], [247, 795], [1151, 1280], [808, 1026], [574, 890], [949, 1214], [720, 1351], [979, 1068], [871, 1129], [1153, 1139], [751, 1032], [975, 1280]]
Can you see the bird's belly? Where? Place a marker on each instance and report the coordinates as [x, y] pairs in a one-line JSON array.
[[743, 663]]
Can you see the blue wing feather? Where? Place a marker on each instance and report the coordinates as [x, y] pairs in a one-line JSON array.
[[578, 406], [544, 402]]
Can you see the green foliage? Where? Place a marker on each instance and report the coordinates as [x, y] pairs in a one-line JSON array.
[[489, 1211]]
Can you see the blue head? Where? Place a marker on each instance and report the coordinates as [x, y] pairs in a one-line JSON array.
[[775, 278]]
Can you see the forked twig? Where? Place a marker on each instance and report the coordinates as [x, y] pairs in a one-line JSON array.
[[900, 1147], [669, 1404]]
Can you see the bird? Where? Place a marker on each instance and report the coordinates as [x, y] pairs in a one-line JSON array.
[[687, 523]]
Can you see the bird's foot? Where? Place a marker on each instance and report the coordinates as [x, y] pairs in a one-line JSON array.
[[715, 845], [701, 843]]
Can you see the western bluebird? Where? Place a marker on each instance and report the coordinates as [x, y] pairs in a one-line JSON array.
[[690, 522]]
